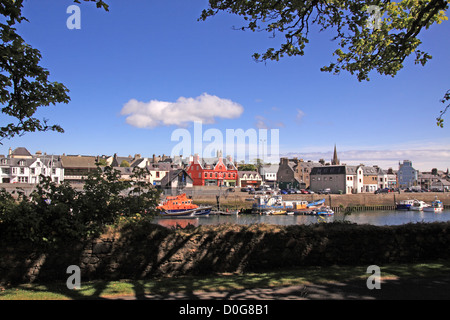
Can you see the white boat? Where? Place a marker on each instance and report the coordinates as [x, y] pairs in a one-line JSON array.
[[419, 205], [436, 206]]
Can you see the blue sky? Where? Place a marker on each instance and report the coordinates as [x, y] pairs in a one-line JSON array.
[[142, 51]]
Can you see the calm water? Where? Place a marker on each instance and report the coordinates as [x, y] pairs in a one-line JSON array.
[[380, 218]]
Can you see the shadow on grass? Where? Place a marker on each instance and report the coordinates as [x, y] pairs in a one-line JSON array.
[[399, 281], [155, 260]]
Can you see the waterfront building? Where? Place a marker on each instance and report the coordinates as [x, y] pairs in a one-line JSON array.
[[295, 173], [213, 171], [20, 166], [249, 179], [268, 173], [407, 175]]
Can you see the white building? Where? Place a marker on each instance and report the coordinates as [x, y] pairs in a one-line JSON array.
[[22, 167], [268, 173]]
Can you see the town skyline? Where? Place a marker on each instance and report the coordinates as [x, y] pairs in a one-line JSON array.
[[326, 157]]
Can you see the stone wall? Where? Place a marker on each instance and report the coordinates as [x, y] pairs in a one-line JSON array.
[[153, 251]]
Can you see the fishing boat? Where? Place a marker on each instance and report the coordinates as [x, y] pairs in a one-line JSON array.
[[229, 212], [277, 212], [181, 206], [436, 206], [322, 211], [404, 204], [419, 205], [267, 203]]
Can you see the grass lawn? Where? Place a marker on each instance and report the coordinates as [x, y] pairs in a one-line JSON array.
[[226, 282]]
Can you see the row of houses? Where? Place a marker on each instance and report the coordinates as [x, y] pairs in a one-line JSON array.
[[347, 179], [20, 166]]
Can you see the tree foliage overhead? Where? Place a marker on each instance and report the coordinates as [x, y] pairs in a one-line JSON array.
[[24, 83], [361, 46]]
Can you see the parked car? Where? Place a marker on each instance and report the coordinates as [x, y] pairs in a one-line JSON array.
[[283, 191], [385, 190], [303, 191], [245, 189], [324, 191], [230, 190]]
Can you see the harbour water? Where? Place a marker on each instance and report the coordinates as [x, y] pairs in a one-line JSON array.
[[381, 217]]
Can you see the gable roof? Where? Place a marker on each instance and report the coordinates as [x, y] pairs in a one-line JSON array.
[[172, 174], [21, 152], [78, 162]]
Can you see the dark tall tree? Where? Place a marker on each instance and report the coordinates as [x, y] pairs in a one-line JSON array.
[[24, 84]]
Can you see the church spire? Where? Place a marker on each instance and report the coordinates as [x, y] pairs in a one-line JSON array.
[[335, 160]]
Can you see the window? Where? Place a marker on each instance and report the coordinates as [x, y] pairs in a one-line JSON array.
[[22, 170], [33, 171]]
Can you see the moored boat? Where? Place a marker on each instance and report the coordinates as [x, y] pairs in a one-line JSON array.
[[266, 204], [323, 211], [404, 204], [436, 206], [181, 206], [277, 212], [419, 205]]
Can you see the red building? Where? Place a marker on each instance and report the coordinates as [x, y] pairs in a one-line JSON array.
[[213, 171]]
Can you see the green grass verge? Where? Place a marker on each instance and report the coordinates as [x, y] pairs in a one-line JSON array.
[[226, 282]]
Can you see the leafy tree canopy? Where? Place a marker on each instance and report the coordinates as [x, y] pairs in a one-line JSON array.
[[364, 42], [24, 84]]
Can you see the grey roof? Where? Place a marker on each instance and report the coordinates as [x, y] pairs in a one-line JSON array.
[[329, 170], [124, 170], [21, 151], [254, 173], [212, 162], [172, 174], [162, 166], [48, 161], [271, 168]]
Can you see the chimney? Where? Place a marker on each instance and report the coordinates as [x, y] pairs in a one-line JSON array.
[[196, 158]]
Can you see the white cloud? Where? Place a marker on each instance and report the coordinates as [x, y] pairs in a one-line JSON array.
[[205, 108], [300, 115]]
